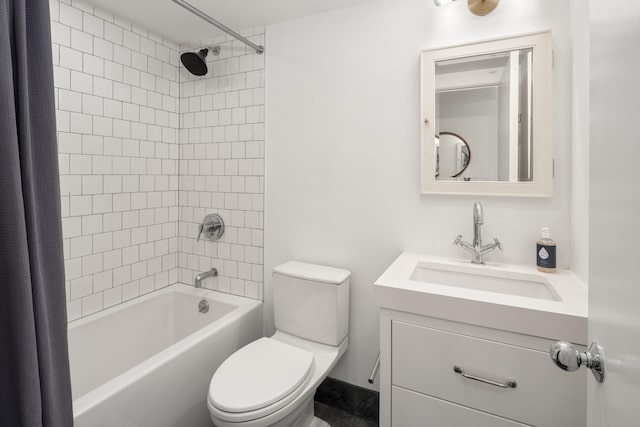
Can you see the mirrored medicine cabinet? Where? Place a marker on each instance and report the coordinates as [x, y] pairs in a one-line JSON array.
[[486, 117]]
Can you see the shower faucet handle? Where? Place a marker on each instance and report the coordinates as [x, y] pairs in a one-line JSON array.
[[200, 228], [212, 227]]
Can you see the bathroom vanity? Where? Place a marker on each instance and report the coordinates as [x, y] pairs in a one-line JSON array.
[[468, 345]]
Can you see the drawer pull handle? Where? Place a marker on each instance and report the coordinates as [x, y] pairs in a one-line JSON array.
[[506, 384]]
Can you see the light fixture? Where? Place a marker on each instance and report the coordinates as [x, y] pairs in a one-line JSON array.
[[482, 7], [477, 7]]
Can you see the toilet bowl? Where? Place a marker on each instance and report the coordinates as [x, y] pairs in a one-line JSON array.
[[272, 381], [281, 373]]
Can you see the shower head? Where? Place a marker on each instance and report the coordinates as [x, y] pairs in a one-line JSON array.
[[195, 62]]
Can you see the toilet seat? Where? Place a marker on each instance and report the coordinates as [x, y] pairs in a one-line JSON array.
[[259, 379]]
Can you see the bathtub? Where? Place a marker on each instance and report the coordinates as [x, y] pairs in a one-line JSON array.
[[148, 362]]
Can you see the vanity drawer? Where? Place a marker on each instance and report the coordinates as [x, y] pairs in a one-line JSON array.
[[423, 360], [411, 409]]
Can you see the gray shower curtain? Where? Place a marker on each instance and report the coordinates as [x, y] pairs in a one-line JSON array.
[[34, 368]]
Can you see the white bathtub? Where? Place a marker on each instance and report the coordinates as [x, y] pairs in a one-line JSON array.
[[148, 362]]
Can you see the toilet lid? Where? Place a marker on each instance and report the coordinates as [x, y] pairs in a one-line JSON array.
[[258, 375]]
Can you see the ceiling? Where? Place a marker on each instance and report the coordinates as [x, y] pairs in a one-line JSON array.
[[165, 18]]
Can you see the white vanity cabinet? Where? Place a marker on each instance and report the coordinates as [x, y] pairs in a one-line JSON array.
[[511, 380], [468, 345]]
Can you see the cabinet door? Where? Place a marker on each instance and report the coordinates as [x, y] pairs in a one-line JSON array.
[[411, 409], [423, 360]]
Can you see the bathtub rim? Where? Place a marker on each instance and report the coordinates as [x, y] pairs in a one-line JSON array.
[[243, 305]]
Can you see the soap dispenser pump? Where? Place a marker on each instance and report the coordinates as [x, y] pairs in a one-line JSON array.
[[546, 252]]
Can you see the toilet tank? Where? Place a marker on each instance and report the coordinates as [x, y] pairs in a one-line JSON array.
[[311, 301]]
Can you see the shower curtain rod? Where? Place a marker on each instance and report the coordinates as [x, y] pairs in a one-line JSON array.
[[258, 48]]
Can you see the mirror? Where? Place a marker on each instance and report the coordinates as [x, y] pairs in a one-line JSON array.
[[452, 155], [496, 94], [487, 97]]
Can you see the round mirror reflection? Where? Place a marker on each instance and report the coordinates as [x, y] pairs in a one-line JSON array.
[[452, 155]]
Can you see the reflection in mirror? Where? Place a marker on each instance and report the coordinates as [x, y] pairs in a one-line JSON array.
[[453, 155], [487, 98], [496, 94]]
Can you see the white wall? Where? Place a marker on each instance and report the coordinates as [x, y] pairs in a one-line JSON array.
[[580, 30], [222, 165], [504, 126], [342, 144], [145, 151], [473, 114], [116, 91]]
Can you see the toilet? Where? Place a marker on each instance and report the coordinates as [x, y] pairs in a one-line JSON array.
[[272, 381]]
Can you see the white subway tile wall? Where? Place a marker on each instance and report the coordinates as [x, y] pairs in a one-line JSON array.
[[117, 100], [146, 150], [222, 165]]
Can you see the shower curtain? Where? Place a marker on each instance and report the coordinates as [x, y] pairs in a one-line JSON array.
[[34, 368]]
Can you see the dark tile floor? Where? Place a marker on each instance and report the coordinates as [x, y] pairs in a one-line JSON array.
[[338, 418], [349, 398]]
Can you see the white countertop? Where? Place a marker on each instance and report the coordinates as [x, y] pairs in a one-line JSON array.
[[565, 319]]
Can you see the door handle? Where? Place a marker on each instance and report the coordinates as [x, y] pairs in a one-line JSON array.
[[568, 358]]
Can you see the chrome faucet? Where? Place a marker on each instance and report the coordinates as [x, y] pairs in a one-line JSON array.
[[200, 277], [477, 249]]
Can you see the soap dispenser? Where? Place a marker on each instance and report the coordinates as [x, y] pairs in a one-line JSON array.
[[546, 252]]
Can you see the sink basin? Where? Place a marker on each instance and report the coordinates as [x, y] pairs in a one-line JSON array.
[[476, 278], [514, 298]]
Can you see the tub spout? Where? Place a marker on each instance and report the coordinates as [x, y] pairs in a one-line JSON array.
[[200, 277]]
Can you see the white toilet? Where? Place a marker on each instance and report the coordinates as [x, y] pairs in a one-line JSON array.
[[271, 382]]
